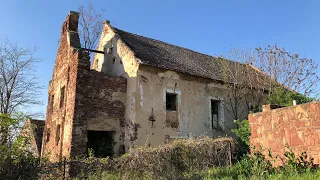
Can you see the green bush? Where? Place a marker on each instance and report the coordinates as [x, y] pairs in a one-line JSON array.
[[15, 161], [243, 137], [257, 166], [282, 97], [168, 161]]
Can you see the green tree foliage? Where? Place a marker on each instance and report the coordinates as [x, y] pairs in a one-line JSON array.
[[243, 136], [15, 161], [243, 131], [283, 97]]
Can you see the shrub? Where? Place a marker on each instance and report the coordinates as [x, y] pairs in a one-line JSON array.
[[168, 161], [284, 97], [257, 166], [15, 161], [243, 137]]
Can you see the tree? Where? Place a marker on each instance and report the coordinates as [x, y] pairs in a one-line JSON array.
[[245, 83], [90, 26], [19, 87], [283, 97], [257, 76], [16, 162], [287, 70]]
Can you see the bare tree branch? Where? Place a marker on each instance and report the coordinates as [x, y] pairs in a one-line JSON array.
[[288, 69], [19, 87], [90, 26]]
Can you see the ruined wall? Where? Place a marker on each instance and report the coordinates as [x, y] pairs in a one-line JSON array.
[[32, 131], [59, 117], [148, 123], [109, 64], [193, 115], [100, 106], [80, 99], [295, 126]]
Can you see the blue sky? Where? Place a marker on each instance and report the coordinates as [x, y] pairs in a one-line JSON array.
[[210, 26]]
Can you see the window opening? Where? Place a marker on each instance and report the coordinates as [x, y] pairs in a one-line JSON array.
[[62, 91], [58, 134], [171, 102], [51, 103], [48, 135], [215, 114]]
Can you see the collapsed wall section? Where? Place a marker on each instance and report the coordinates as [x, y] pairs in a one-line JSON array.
[[79, 99], [99, 106]]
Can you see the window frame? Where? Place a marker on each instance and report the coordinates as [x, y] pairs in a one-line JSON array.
[[221, 118]]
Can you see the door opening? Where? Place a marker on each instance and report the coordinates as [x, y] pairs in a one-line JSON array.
[[101, 142]]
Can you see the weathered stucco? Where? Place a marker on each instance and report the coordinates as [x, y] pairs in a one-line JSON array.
[[148, 123], [192, 117]]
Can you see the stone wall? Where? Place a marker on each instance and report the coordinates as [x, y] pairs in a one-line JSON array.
[[295, 126], [79, 99]]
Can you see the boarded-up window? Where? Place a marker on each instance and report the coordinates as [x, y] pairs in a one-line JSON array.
[[171, 102], [62, 91]]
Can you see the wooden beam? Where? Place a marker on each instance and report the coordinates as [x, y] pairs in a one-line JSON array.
[[91, 50]]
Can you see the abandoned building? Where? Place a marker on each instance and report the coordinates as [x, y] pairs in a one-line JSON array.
[[33, 130], [136, 92]]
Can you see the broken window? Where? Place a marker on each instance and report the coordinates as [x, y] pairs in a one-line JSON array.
[[109, 50], [62, 91], [58, 134], [216, 118], [171, 102], [101, 142], [51, 103]]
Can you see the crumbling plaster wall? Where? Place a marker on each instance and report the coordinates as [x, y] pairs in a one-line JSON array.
[[193, 106], [127, 68], [146, 115]]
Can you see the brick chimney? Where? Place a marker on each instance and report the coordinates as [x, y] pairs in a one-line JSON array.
[[71, 23]]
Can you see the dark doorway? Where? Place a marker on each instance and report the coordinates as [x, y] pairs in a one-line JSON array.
[[101, 142]]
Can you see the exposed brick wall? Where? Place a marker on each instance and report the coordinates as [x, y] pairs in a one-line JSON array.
[[97, 96], [295, 126], [87, 94]]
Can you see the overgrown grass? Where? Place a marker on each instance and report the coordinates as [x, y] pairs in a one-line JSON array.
[[254, 167], [169, 161]]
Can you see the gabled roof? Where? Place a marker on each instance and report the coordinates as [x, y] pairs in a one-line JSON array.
[[163, 55]]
